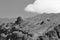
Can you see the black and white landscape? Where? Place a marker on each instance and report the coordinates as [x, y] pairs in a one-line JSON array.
[[29, 19]]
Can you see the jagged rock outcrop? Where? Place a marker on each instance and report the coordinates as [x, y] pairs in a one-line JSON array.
[[19, 20]]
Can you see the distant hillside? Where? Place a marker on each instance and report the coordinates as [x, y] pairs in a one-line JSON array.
[[43, 20], [44, 16], [6, 20]]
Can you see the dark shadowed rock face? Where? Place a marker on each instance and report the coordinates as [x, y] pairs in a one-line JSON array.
[[53, 34], [19, 20], [13, 31]]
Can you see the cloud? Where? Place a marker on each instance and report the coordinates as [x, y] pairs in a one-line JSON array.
[[29, 8], [44, 6]]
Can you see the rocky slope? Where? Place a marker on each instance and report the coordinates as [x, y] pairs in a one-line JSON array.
[[34, 28]]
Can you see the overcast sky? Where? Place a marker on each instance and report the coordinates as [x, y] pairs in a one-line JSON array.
[[14, 8]]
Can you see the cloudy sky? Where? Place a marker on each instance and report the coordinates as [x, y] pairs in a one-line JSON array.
[[44, 6], [14, 8], [28, 8]]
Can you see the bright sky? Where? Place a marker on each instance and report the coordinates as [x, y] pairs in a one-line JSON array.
[[44, 6]]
